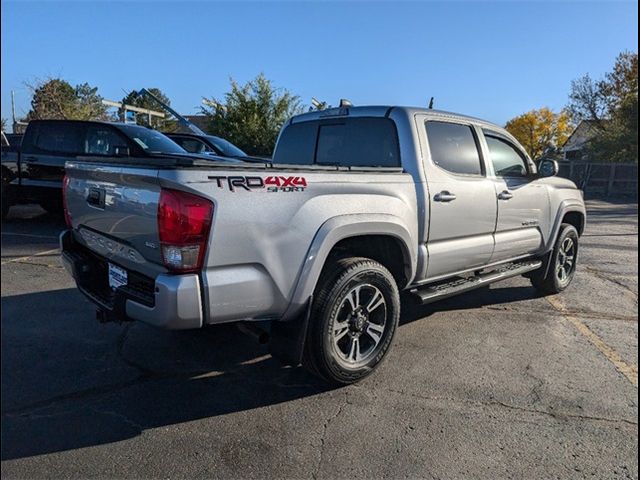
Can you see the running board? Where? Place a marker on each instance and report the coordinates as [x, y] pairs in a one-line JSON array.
[[443, 290]]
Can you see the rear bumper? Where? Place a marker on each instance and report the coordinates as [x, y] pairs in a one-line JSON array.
[[171, 302]]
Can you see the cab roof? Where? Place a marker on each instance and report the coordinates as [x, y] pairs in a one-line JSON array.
[[387, 110], [383, 110]]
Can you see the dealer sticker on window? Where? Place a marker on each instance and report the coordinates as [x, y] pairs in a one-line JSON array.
[[117, 276]]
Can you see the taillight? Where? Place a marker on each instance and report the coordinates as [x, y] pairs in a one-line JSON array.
[[184, 221], [67, 215]]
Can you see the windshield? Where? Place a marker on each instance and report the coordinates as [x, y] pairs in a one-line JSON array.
[[227, 149], [151, 141]]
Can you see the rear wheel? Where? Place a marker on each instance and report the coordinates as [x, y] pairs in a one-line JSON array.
[[354, 317], [563, 261]]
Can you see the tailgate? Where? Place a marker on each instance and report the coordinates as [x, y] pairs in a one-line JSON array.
[[113, 212]]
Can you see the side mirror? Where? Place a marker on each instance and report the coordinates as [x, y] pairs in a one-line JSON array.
[[548, 168], [121, 151]]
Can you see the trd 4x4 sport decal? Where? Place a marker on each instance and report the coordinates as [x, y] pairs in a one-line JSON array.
[[271, 183]]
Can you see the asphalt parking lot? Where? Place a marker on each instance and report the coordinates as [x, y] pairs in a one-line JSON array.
[[498, 383]]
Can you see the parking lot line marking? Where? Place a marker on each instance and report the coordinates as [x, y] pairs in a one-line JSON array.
[[629, 371], [39, 254]]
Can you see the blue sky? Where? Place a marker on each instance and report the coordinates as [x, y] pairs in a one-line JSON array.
[[492, 60]]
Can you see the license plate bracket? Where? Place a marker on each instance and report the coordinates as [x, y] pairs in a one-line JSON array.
[[117, 276]]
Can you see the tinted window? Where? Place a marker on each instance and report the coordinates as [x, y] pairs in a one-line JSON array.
[[296, 144], [15, 139], [358, 142], [507, 161], [332, 147], [453, 148], [191, 145], [60, 137], [151, 141], [102, 140], [353, 142], [226, 148]]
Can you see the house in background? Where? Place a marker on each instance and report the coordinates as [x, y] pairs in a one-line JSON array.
[[574, 149]]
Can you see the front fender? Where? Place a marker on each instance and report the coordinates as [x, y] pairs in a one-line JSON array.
[[339, 228], [566, 206]]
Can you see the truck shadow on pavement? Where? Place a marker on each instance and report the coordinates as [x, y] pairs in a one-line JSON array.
[[69, 382], [495, 296]]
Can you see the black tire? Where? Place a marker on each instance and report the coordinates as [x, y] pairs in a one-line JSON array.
[[559, 274], [335, 325]]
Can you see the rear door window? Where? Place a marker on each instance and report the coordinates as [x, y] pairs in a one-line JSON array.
[[453, 148], [63, 138]]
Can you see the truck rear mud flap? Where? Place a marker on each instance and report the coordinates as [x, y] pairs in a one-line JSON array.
[[286, 342]]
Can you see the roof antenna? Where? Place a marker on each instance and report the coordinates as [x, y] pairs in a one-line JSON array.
[[431, 103]]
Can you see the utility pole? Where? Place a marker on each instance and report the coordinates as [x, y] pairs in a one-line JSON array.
[[13, 111]]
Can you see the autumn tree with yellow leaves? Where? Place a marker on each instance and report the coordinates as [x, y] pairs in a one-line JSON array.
[[541, 131]]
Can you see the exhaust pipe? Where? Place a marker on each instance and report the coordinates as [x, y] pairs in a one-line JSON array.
[[252, 330]]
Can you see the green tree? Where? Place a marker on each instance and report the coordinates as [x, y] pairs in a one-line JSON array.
[[586, 101], [58, 99], [251, 115], [621, 84], [541, 131], [3, 124], [611, 104], [166, 124], [89, 103]]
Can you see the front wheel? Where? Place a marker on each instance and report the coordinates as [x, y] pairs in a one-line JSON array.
[[354, 317], [563, 262]]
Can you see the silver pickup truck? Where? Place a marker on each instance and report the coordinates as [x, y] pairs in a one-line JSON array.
[[357, 205]]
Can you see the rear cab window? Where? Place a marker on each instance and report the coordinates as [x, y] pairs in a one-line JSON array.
[[297, 143], [345, 142], [454, 148]]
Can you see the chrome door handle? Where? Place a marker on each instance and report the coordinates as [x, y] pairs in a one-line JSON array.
[[505, 195], [444, 196]]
